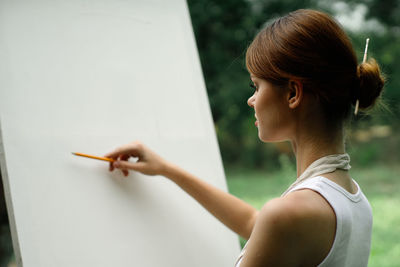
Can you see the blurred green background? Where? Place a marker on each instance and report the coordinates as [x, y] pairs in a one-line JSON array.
[[224, 29], [256, 171]]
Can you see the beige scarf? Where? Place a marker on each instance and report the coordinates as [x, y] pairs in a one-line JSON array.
[[323, 165]]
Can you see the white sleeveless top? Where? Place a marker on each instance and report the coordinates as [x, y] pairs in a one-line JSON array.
[[352, 242]]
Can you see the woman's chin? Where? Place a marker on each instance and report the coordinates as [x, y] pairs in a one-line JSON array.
[[263, 137]]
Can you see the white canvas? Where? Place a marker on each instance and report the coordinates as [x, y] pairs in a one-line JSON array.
[[87, 76]]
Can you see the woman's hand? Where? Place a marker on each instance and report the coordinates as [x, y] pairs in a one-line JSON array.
[[148, 162]]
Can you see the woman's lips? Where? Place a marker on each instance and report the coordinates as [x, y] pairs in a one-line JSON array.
[[256, 123]]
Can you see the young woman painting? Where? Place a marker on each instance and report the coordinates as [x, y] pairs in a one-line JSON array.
[[306, 80]]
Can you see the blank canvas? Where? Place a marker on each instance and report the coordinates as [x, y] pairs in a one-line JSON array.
[[88, 76]]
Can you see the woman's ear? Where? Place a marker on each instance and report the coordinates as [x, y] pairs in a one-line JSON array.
[[295, 93]]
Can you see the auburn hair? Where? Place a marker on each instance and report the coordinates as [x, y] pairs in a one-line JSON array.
[[311, 47]]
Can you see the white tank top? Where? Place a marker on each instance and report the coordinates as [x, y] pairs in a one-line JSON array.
[[352, 242]]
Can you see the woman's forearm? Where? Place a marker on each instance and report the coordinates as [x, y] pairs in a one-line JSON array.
[[233, 212]]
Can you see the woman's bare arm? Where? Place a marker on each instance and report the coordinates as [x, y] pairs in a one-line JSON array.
[[236, 214], [233, 212]]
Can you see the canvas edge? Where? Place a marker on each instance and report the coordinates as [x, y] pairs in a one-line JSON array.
[[8, 198]]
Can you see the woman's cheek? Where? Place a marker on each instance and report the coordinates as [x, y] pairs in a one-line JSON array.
[[270, 125]]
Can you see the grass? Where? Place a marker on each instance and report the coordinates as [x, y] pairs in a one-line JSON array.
[[381, 185]]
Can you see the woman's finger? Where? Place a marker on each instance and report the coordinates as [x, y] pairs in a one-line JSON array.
[[131, 149], [111, 167], [126, 165], [124, 158]]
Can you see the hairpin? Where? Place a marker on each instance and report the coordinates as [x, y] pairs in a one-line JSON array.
[[364, 59]]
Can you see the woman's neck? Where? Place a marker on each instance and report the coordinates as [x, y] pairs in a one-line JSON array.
[[309, 146]]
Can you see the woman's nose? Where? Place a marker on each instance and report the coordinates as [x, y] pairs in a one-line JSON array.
[[250, 101]]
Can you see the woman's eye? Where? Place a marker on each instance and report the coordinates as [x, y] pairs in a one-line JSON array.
[[252, 85]]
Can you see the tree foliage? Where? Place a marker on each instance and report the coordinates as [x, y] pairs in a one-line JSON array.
[[224, 29]]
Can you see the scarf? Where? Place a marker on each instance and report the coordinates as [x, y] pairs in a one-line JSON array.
[[323, 165]]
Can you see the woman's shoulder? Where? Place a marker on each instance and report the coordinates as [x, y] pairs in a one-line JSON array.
[[298, 206], [302, 220]]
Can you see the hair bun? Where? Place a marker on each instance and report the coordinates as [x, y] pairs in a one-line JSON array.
[[371, 83]]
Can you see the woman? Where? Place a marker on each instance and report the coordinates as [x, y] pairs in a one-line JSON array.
[[306, 80]]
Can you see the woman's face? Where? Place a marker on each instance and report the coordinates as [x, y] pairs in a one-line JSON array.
[[271, 109]]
